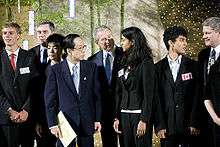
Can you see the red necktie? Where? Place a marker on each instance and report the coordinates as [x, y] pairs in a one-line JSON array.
[[12, 60]]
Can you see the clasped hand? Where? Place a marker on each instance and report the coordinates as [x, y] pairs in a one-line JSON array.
[[18, 117]]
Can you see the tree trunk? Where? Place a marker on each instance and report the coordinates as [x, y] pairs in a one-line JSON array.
[[122, 16], [98, 12], [91, 6]]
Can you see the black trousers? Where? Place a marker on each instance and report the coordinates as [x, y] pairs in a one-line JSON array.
[[129, 122], [17, 135], [109, 137]]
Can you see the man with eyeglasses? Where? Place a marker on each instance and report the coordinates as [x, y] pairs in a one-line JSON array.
[[72, 87]]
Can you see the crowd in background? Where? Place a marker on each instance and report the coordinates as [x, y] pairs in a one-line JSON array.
[[118, 91]]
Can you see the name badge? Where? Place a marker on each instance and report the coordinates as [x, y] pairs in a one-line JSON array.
[[24, 70], [120, 72], [187, 76]]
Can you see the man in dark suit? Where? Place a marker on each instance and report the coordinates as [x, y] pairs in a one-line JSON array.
[[73, 88], [43, 135], [108, 54], [17, 76], [208, 58], [177, 82]]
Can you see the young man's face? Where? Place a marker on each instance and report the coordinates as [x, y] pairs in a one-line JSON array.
[[10, 36], [179, 45], [43, 31], [210, 36], [105, 40], [54, 51]]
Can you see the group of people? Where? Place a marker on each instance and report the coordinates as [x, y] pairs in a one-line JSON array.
[[118, 91]]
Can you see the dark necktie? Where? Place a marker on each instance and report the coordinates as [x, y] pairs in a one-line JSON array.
[[75, 77], [12, 61], [108, 67], [211, 59]]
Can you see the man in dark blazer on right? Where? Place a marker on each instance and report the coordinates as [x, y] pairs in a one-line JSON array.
[[177, 90], [108, 50], [72, 87]]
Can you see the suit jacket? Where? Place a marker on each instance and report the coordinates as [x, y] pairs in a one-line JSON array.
[[39, 107], [81, 110], [137, 91], [16, 87], [213, 86], [107, 90], [203, 59], [179, 100]]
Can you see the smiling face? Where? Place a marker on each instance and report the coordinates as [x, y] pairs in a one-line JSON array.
[[10, 36], [211, 37], [105, 40]]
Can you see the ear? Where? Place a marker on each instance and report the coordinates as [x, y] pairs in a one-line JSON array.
[[170, 43]]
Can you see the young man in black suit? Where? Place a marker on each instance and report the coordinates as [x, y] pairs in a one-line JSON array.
[[177, 82], [72, 87], [17, 76], [209, 69], [43, 135], [108, 56]]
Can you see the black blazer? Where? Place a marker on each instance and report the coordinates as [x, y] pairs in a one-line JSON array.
[[179, 101], [137, 91], [107, 91], [213, 86], [203, 59], [16, 87], [81, 109]]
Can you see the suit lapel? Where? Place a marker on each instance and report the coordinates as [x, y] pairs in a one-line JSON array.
[[7, 69], [99, 59], [20, 62], [168, 72], [182, 69], [67, 77]]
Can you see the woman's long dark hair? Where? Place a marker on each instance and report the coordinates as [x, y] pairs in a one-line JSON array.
[[140, 49]]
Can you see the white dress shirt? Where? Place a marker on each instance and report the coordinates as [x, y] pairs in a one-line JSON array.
[[174, 65]]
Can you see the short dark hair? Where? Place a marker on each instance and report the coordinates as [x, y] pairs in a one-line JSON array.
[[68, 41], [57, 39], [172, 33], [13, 25], [51, 25]]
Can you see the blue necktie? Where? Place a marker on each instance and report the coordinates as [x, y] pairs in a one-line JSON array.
[[44, 56], [108, 67], [75, 77]]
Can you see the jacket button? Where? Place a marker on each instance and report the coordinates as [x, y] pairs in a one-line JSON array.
[[177, 106]]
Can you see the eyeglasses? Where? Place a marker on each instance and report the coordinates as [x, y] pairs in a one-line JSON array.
[[83, 48]]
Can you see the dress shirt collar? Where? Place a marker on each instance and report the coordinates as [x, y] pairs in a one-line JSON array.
[[15, 52], [71, 65], [105, 53], [172, 61], [217, 50]]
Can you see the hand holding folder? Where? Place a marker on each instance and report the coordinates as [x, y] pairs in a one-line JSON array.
[[68, 134]]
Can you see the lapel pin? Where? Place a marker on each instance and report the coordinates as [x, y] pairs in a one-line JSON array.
[[84, 78]]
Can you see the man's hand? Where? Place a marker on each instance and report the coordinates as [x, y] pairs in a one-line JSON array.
[[14, 115], [23, 116], [38, 129], [141, 128], [194, 131], [56, 131], [161, 133], [98, 126], [116, 125]]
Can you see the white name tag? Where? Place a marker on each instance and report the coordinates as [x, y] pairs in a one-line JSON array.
[[24, 70], [120, 72]]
